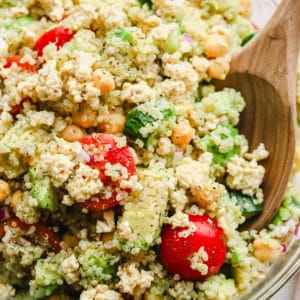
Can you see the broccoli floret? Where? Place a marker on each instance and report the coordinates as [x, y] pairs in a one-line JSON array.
[[18, 24], [124, 35], [247, 204], [47, 277], [96, 264], [223, 143], [137, 120], [227, 103], [42, 189]]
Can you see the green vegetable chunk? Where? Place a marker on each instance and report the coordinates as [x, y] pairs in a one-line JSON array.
[[18, 24], [124, 35], [246, 204], [96, 264], [173, 42], [42, 189], [248, 38], [149, 209], [136, 120], [47, 278]]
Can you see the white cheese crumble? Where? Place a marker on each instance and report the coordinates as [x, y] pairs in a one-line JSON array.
[[84, 184], [108, 223], [133, 281], [70, 269]]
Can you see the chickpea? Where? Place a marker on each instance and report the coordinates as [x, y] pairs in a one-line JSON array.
[[149, 296], [182, 134], [113, 123], [200, 196], [218, 69], [215, 46], [4, 190], [107, 237], [85, 118], [16, 199], [70, 240], [55, 297], [103, 81], [264, 251], [72, 133], [245, 8]]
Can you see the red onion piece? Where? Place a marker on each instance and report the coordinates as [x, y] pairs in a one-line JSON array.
[[188, 38], [4, 213]]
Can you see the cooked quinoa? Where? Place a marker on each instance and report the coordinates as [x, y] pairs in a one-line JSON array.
[[112, 133]]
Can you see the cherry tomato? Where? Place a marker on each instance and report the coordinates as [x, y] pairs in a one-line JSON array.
[[98, 204], [24, 65], [17, 108], [43, 234], [102, 149], [58, 36], [176, 250]]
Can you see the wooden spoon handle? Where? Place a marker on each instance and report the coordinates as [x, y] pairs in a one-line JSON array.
[[273, 53]]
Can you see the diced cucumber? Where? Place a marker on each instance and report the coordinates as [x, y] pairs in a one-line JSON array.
[[246, 204], [124, 35], [18, 24], [42, 189], [145, 214], [136, 120], [173, 42]]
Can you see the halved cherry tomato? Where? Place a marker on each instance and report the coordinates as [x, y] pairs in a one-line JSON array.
[[176, 250], [24, 65], [103, 149], [98, 204], [58, 36], [42, 233]]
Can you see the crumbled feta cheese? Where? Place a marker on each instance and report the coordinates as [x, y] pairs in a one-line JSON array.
[[244, 175], [43, 117], [100, 292], [49, 86], [84, 184], [131, 279], [7, 290], [108, 224], [58, 166], [70, 269], [137, 92], [191, 173]]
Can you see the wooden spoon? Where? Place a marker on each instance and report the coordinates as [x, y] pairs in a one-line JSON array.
[[265, 74]]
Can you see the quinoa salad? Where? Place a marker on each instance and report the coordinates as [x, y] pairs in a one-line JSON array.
[[122, 172]]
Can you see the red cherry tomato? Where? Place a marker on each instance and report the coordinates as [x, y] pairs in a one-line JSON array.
[[102, 149], [98, 204], [43, 234], [24, 65], [58, 36], [176, 251], [17, 108]]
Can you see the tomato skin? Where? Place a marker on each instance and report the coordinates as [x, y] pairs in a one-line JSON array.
[[58, 35], [41, 231], [17, 59], [98, 204], [105, 146], [175, 250], [17, 108]]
